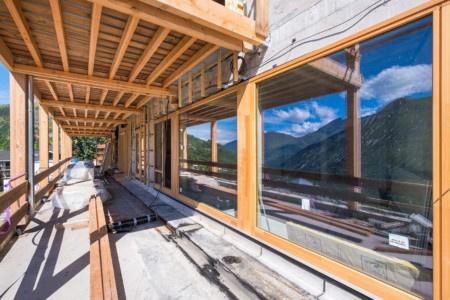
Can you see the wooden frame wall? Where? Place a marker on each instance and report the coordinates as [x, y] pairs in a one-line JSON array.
[[247, 163]]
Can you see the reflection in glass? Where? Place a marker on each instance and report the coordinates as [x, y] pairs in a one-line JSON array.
[[346, 157], [208, 154]]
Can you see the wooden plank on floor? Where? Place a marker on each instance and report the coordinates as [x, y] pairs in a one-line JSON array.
[[94, 254]]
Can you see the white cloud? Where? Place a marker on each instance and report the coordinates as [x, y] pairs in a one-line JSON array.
[[397, 82], [367, 111], [305, 128], [225, 136], [295, 114], [325, 113]]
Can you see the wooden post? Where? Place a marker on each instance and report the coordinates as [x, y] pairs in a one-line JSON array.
[[55, 145], [175, 149], [185, 147], [353, 126], [214, 144], [18, 133], [246, 159], [262, 18], [43, 143], [202, 80]]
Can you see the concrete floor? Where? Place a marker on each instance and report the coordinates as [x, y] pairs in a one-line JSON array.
[[149, 262]]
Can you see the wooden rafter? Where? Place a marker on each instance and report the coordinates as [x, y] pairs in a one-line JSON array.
[[190, 63], [55, 6], [19, 18], [52, 89], [123, 45], [143, 101], [95, 26], [96, 114], [103, 96], [118, 97], [107, 115], [179, 49], [212, 15], [88, 93], [69, 118], [131, 100], [6, 57], [92, 81], [156, 40], [71, 97], [116, 116], [90, 106], [96, 128], [173, 22], [125, 116]]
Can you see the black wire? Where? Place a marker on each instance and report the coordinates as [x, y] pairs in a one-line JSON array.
[[309, 39]]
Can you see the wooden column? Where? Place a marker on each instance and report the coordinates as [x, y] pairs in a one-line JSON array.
[[18, 132], [246, 159], [55, 145], [214, 144], [175, 152], [185, 146], [43, 143], [353, 125]]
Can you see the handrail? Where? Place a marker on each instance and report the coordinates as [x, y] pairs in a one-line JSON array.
[[209, 163], [40, 176], [12, 195]]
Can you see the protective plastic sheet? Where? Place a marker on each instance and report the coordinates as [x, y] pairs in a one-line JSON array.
[[83, 170], [76, 193]]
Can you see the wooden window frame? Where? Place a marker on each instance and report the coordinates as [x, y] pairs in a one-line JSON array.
[[247, 118]]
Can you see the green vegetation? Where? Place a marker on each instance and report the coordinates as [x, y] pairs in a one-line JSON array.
[[199, 149], [84, 148]]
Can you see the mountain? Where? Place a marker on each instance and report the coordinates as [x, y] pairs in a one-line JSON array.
[[396, 144], [199, 149]]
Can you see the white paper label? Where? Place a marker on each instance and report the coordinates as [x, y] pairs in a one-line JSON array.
[[306, 204], [399, 241]]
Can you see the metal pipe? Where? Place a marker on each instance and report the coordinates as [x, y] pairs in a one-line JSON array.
[[30, 145]]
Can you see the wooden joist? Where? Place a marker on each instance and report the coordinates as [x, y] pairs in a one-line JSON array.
[[123, 45], [90, 106], [55, 6], [189, 64], [6, 57], [92, 81], [92, 120], [102, 279], [179, 49], [95, 128], [22, 25], [215, 16], [95, 26], [157, 39], [171, 21]]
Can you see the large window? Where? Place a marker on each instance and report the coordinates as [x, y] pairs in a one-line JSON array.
[[345, 161], [208, 154]]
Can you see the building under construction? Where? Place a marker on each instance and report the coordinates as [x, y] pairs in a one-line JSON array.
[[254, 149]]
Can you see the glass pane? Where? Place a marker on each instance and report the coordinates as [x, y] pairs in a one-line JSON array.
[[208, 154], [346, 157]]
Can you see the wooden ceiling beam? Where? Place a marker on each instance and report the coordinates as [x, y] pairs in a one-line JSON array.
[[131, 99], [190, 63], [55, 6], [6, 56], [103, 96], [97, 128], [95, 26], [92, 81], [128, 32], [107, 115], [156, 40], [171, 21], [88, 93], [212, 15], [69, 118], [78, 105], [125, 116], [178, 50], [143, 101], [71, 97], [118, 97], [52, 90], [19, 19]]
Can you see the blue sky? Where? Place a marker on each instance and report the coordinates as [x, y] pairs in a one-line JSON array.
[[4, 84], [394, 65]]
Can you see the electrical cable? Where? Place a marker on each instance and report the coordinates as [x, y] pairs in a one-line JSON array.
[[309, 39]]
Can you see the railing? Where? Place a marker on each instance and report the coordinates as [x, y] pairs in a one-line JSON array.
[[12, 195]]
